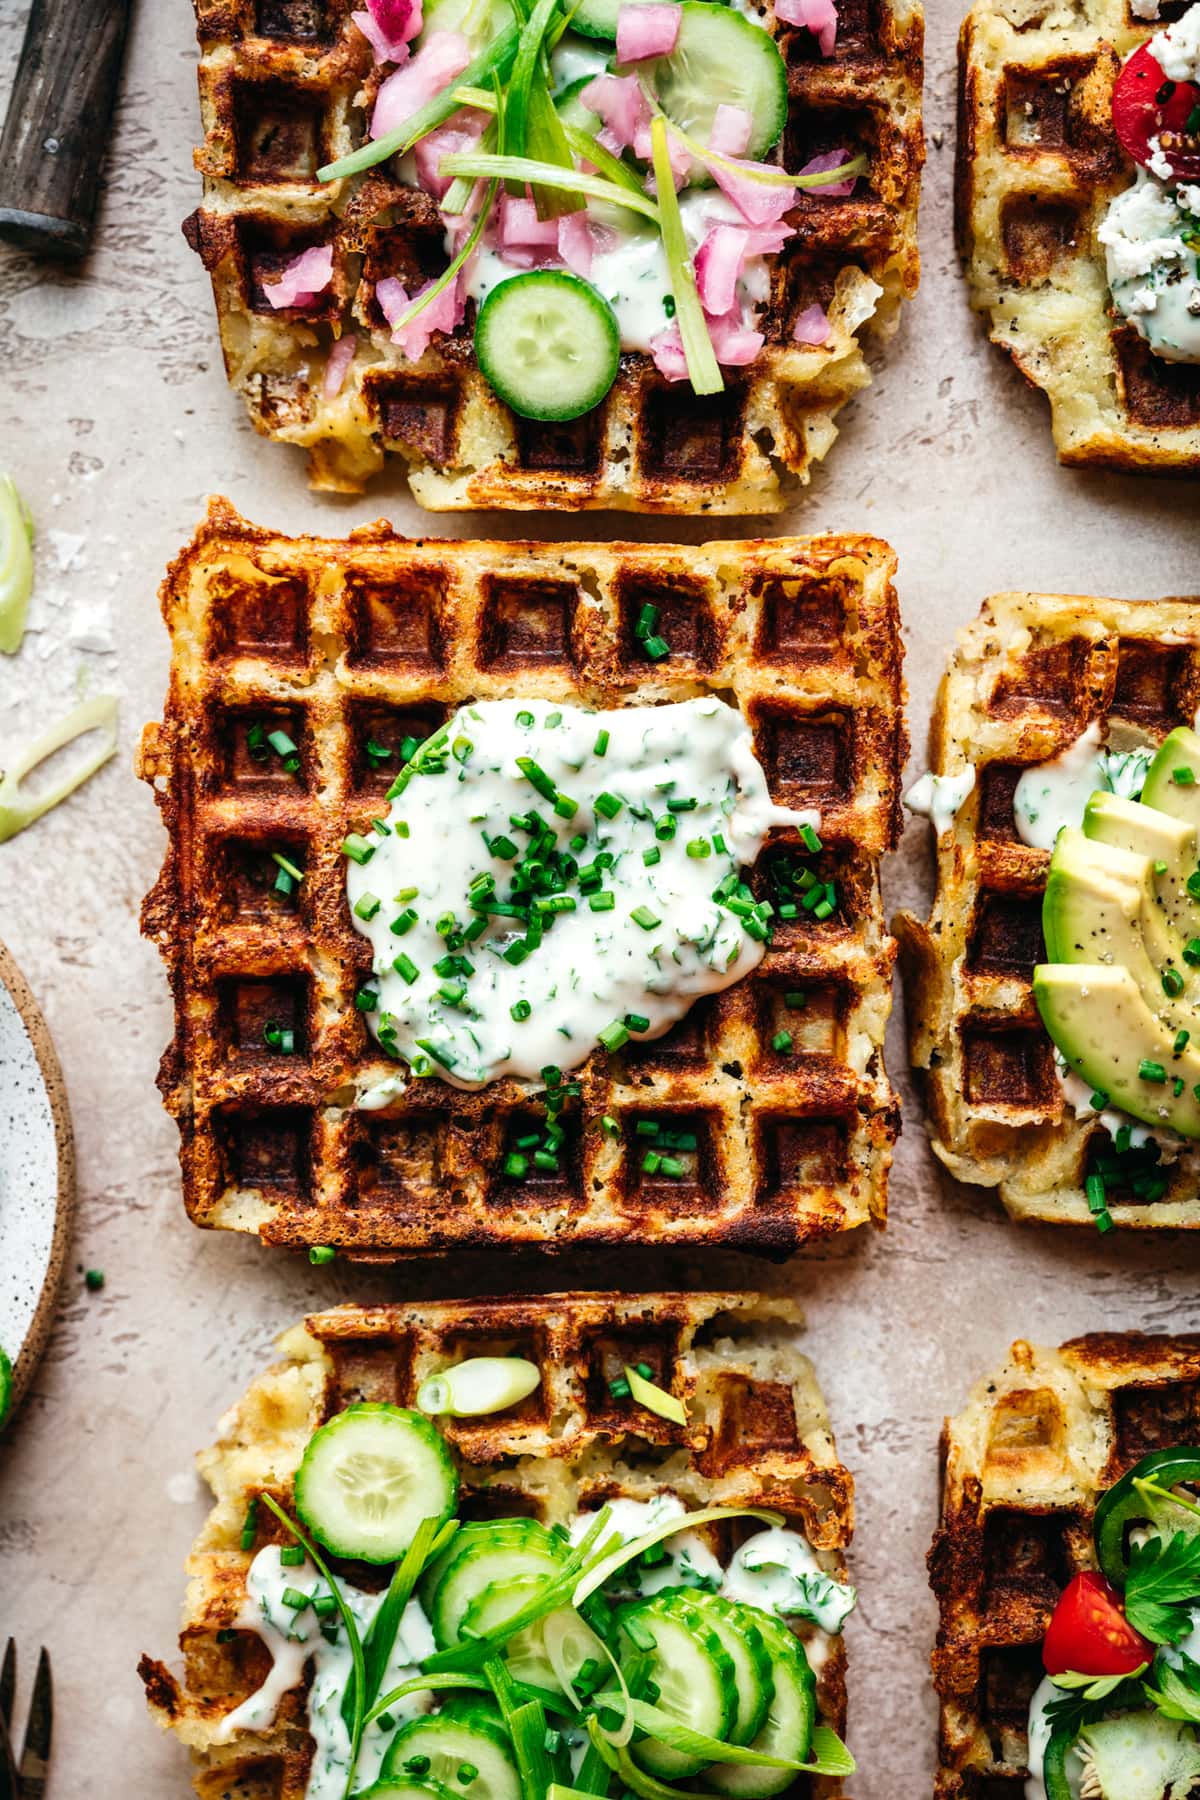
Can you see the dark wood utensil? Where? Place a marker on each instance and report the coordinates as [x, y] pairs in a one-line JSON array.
[[58, 123]]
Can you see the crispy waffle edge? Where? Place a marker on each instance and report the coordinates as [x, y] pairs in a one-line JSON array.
[[278, 83], [1023, 1466], [758, 1433], [1037, 163], [1023, 681], [790, 1148]]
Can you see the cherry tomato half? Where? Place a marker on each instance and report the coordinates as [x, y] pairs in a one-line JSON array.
[[1090, 1634], [1146, 105]]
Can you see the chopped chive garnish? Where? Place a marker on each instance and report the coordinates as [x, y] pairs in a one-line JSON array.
[[291, 1556], [651, 855], [619, 1389], [438, 1052], [1172, 982], [405, 895], [672, 1166], [93, 1280], [647, 622], [1181, 1042], [281, 743], [537, 777], [565, 807], [699, 847], [609, 1126], [600, 747], [1097, 1193], [289, 868], [250, 1526], [719, 844], [637, 1021], [1151, 1071], [666, 828], [406, 967], [357, 848], [603, 901], [1183, 777], [648, 1128], [1098, 1101], [525, 719], [404, 922], [279, 1037], [516, 1166], [607, 805], [809, 838], [452, 993], [503, 848], [652, 1162], [520, 1010], [677, 805], [641, 915], [782, 1042], [295, 1599], [614, 1036], [367, 905], [656, 648], [377, 753], [367, 999], [794, 1000], [467, 1773], [1160, 868], [417, 1765], [1191, 952], [1177, 1086]]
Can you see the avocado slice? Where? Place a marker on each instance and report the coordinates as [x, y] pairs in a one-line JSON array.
[[1179, 750], [1145, 831], [1142, 1756], [1100, 907], [1096, 1015]]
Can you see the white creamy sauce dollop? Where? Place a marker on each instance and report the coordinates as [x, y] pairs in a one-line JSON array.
[[778, 1570], [664, 941], [630, 267], [1040, 1733], [939, 797], [294, 1636], [688, 1561], [1054, 794]]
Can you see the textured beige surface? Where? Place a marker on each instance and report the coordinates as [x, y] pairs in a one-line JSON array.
[[113, 401]]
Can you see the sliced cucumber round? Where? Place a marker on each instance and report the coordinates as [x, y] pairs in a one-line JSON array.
[[548, 343], [478, 20], [740, 1636], [511, 1549], [443, 1749], [407, 1789], [598, 18], [691, 1671], [790, 1718], [721, 58], [572, 111], [369, 1478]]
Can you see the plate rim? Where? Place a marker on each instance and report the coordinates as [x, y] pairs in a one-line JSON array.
[[40, 1325]]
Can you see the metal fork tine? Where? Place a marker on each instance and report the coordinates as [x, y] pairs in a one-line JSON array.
[[8, 1681], [35, 1752]]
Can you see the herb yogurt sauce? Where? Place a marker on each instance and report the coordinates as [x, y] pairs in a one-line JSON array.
[[295, 1636], [1054, 794], [654, 806]]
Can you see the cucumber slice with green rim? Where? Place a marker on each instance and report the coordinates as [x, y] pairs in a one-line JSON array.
[[790, 1717], [479, 20], [690, 1670], [721, 58], [511, 1549], [468, 1534], [368, 1479], [571, 109], [443, 1750], [407, 1789], [548, 343], [752, 1668], [479, 1711]]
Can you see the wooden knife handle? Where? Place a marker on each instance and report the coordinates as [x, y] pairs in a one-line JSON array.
[[59, 122]]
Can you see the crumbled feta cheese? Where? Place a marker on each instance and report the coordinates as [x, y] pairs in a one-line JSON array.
[[1177, 49], [1159, 163], [1153, 270]]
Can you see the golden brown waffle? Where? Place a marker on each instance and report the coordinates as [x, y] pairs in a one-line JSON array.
[[758, 1434], [1038, 163], [1025, 680], [338, 642], [282, 92], [1023, 1468]]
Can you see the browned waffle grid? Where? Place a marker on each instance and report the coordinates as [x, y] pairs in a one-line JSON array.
[[1023, 1468], [282, 91], [758, 1434], [1038, 162], [1024, 681], [378, 637]]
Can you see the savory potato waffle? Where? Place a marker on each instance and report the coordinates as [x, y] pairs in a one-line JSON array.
[[1023, 1467], [1038, 163], [1026, 679], [377, 638], [758, 1434], [282, 92]]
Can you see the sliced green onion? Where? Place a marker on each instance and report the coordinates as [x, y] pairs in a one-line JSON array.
[[654, 1398], [357, 847], [289, 868], [541, 174], [608, 1566], [704, 371], [16, 812], [498, 55], [857, 165], [641, 915], [614, 1036], [481, 1384], [449, 273], [16, 565], [428, 1542]]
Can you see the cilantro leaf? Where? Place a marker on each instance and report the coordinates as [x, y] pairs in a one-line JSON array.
[[1178, 1693], [1162, 1587]]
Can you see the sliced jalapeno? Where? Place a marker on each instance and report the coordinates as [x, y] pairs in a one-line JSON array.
[[1054, 1766], [1123, 1506]]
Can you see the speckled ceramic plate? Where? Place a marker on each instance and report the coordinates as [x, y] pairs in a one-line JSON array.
[[37, 1175]]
